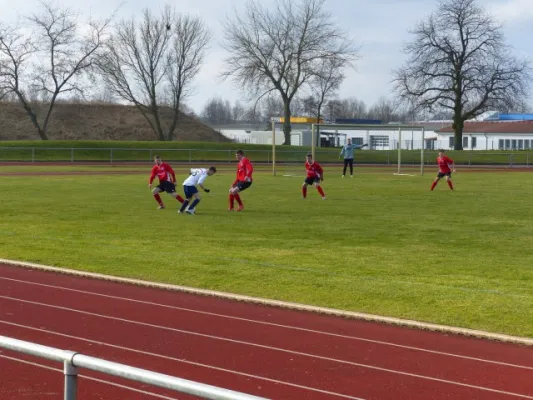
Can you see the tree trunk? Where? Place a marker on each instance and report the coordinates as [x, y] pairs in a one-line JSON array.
[[33, 116], [42, 134], [318, 121], [458, 127], [287, 121]]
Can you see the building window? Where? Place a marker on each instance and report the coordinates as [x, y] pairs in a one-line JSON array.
[[526, 144], [520, 144], [474, 142], [357, 140], [465, 142], [507, 144], [501, 144], [452, 142], [514, 144], [379, 141]]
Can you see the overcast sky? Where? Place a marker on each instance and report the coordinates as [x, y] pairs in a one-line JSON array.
[[379, 27]]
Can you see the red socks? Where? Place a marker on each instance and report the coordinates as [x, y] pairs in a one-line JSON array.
[[238, 198], [304, 191], [158, 199], [450, 184], [231, 201], [180, 199]]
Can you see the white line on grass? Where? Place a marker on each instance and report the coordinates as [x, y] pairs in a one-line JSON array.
[[272, 348], [260, 322]]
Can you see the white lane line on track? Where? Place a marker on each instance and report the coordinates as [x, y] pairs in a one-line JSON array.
[[275, 303], [277, 349], [147, 353], [88, 377], [290, 327]]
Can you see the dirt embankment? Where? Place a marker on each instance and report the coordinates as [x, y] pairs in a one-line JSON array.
[[72, 121]]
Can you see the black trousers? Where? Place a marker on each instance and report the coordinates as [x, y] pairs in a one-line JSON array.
[[348, 161]]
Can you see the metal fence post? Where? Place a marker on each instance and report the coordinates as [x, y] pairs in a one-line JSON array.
[[111, 155], [71, 380], [190, 156], [72, 154], [33, 154]]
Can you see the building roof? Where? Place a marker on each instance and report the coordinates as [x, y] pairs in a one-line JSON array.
[[494, 127]]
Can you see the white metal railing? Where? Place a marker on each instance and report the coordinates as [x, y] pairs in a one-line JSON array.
[[72, 361]]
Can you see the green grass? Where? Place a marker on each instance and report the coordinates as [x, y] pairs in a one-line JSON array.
[[380, 243], [107, 151]]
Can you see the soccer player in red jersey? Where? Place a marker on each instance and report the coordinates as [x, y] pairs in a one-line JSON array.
[[167, 179], [315, 174], [243, 181], [444, 163]]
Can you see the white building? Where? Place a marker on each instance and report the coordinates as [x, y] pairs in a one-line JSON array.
[[477, 135], [490, 135]]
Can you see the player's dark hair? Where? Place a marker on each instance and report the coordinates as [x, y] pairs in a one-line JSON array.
[[441, 150], [240, 152], [212, 168], [157, 157], [309, 154]]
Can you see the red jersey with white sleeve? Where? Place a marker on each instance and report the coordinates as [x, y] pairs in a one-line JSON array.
[[444, 164], [314, 170], [244, 170], [164, 172]]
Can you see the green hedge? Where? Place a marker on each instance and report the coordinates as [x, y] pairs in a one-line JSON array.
[[113, 151]]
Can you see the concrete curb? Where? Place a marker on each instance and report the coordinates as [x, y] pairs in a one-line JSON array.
[[286, 305]]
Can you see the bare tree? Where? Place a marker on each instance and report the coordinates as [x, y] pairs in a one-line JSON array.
[[217, 111], [238, 111], [385, 110], [153, 62], [346, 108], [459, 61], [50, 61], [280, 49], [326, 81]]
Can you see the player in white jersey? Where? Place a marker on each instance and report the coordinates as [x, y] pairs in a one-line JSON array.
[[196, 178]]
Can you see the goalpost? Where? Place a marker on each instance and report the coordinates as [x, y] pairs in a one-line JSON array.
[[409, 152], [392, 138]]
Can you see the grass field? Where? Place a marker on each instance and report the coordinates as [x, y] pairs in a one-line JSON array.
[[380, 243]]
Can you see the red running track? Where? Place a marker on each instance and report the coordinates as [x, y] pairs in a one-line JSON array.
[[261, 350]]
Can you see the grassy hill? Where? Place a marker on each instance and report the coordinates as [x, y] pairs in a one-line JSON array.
[[72, 121]]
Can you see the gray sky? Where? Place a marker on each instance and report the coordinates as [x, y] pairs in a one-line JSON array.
[[380, 28]]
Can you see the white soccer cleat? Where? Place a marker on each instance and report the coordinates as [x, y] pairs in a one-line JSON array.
[[351, 176], [161, 207], [323, 197], [342, 176], [190, 211]]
